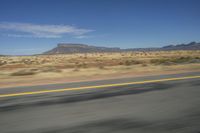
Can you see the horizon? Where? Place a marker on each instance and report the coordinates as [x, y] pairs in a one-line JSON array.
[[32, 27], [98, 46]]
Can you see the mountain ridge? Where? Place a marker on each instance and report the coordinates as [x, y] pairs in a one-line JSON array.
[[68, 48]]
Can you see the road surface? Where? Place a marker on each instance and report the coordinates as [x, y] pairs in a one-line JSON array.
[[152, 104]]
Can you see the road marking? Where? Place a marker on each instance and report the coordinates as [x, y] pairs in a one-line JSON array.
[[96, 87]]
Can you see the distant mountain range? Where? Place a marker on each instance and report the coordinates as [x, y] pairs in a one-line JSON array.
[[189, 46], [68, 48]]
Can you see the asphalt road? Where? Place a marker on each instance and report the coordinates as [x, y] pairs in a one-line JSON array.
[[159, 106]]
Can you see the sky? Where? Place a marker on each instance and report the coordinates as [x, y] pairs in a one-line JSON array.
[[34, 26]]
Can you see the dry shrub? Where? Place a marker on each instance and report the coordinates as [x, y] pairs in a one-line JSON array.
[[144, 64], [84, 65], [23, 73], [76, 70], [121, 63], [2, 62], [132, 62], [179, 60], [51, 69], [101, 67], [127, 63]]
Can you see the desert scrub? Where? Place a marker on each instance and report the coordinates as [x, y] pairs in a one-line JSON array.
[[132, 62], [24, 72], [76, 70], [2, 62], [121, 63], [51, 69], [179, 60], [160, 61], [101, 67]]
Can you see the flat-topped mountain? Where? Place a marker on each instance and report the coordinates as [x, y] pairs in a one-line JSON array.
[[65, 48], [68, 48]]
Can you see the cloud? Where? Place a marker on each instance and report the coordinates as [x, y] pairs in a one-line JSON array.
[[42, 31], [82, 36], [33, 36]]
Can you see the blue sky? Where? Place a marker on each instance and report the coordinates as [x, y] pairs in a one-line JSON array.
[[34, 26]]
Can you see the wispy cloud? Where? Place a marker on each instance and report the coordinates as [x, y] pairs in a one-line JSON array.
[[83, 36], [42, 31]]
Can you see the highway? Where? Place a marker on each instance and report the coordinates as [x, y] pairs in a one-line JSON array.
[[151, 104]]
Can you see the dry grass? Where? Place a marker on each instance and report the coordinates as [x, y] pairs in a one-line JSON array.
[[53, 66]]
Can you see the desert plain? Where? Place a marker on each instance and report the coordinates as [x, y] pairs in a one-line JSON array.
[[62, 68]]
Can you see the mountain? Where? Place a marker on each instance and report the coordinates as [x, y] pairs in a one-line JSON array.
[[68, 48], [189, 46]]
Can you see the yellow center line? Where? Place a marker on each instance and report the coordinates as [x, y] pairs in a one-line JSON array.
[[96, 87]]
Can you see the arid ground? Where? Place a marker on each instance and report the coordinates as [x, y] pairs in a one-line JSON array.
[[46, 69]]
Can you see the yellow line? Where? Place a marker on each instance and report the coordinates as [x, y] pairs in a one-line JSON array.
[[96, 87]]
